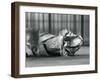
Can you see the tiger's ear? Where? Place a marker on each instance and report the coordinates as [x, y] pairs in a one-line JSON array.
[[80, 37]]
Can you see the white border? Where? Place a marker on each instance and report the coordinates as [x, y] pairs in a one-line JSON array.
[[53, 69]]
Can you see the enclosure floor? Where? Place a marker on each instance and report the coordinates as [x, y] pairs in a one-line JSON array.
[[81, 57]]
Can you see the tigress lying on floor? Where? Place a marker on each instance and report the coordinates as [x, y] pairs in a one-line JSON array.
[[66, 43]]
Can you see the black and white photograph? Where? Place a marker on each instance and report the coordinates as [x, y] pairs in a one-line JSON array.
[[52, 39], [56, 39]]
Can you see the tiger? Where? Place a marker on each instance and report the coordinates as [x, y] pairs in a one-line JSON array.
[[65, 43]]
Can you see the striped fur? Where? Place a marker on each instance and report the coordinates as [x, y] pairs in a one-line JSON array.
[[52, 45]]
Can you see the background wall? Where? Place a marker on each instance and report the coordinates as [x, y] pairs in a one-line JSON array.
[[5, 40], [53, 23]]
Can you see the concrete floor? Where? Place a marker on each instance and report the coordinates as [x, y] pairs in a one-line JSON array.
[[81, 57]]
